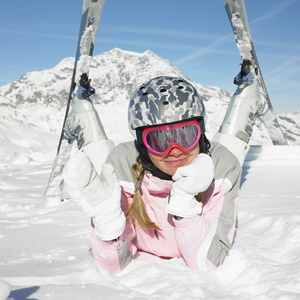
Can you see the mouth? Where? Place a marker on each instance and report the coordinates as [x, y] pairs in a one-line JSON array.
[[176, 163]]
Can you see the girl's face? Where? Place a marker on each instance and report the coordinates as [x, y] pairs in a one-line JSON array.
[[176, 158]]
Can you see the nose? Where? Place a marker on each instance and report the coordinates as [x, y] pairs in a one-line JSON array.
[[175, 152]]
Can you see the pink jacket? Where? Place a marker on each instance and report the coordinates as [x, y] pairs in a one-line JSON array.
[[203, 241]]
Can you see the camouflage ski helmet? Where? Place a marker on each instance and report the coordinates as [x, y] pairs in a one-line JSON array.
[[164, 100]]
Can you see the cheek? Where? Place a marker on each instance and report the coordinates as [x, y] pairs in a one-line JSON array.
[[156, 160], [195, 152]]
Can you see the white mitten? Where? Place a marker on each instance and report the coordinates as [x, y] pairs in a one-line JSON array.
[[188, 182], [98, 196]]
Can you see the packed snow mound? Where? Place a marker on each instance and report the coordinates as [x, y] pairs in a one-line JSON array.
[[40, 98], [44, 250], [4, 290]]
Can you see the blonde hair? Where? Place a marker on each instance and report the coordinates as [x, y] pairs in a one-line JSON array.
[[136, 210]]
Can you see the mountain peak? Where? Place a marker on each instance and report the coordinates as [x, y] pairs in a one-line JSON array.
[[115, 75]]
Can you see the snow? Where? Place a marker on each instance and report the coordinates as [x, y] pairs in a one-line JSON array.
[[44, 250], [41, 96], [4, 289]]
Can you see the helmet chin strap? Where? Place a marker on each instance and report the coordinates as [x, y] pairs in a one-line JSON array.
[[203, 142]]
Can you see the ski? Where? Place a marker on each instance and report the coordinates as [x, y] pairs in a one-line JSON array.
[[237, 15], [90, 19]]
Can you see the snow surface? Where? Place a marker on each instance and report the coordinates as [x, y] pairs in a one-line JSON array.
[[44, 250]]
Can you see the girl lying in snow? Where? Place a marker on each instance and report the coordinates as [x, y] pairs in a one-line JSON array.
[[170, 192]]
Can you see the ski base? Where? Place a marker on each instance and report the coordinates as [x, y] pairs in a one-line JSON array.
[[90, 19], [237, 15]]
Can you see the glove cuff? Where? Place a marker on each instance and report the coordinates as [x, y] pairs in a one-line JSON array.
[[110, 228], [185, 206]]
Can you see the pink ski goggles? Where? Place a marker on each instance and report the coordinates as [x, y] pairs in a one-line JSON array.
[[162, 139]]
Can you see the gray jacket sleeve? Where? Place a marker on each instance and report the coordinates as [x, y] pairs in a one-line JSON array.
[[227, 172], [122, 157]]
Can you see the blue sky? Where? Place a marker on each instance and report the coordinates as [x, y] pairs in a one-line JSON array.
[[194, 35]]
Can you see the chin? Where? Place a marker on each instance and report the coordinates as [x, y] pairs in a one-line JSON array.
[[170, 172]]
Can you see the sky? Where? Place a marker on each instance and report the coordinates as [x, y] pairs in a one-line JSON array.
[[194, 35]]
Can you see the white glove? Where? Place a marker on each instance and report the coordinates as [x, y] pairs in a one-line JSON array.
[[188, 182], [98, 196]]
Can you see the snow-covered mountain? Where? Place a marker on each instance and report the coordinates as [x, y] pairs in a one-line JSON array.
[[39, 98], [44, 250], [290, 124]]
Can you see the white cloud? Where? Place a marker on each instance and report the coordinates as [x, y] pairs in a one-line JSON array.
[[273, 12]]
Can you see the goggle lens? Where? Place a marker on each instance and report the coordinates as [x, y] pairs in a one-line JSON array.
[[160, 140]]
